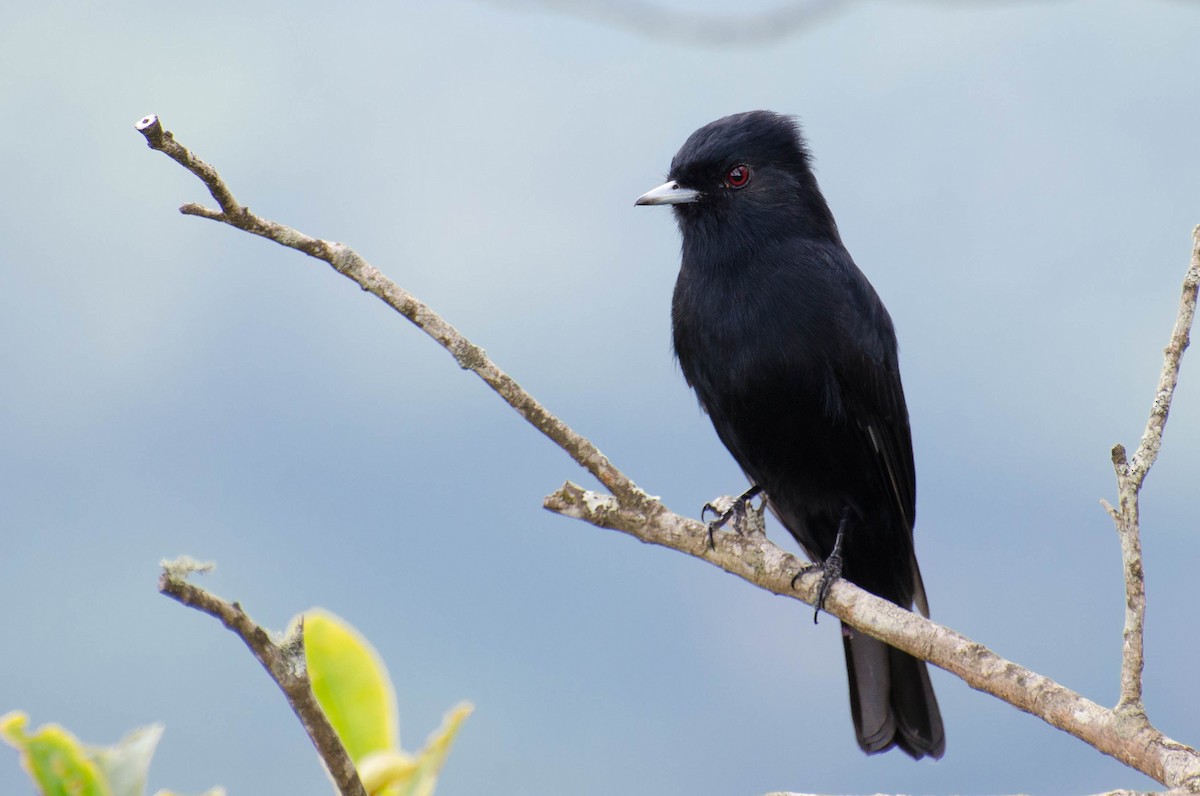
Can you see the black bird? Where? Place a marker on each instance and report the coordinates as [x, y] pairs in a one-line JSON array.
[[793, 356]]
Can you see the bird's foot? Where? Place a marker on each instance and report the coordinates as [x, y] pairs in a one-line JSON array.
[[831, 568], [747, 520]]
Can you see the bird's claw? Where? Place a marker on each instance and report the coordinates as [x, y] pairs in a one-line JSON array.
[[831, 568], [804, 570], [720, 517], [737, 509], [831, 571]]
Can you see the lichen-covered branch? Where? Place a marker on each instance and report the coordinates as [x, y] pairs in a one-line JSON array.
[[1130, 739], [283, 662], [348, 263], [1123, 734], [1131, 474]]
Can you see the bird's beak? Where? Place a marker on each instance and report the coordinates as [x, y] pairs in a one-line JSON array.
[[669, 193]]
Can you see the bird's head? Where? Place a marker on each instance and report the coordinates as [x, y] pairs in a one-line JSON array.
[[746, 174]]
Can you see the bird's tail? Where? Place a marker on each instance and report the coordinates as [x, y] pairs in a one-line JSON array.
[[891, 698]]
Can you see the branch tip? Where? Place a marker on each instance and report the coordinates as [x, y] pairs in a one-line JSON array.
[[181, 568], [1119, 457], [283, 661], [151, 128], [351, 265]]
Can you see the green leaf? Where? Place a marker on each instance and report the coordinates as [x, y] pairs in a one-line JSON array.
[[433, 756], [351, 684], [54, 758], [382, 772]]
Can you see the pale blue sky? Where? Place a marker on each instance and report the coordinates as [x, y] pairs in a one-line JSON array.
[[1018, 180]]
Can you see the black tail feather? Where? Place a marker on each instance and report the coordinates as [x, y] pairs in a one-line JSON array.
[[891, 699]]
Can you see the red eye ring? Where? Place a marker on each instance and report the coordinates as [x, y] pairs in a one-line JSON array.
[[738, 176]]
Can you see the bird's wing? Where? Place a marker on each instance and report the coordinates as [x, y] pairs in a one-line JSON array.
[[868, 372], [874, 396]]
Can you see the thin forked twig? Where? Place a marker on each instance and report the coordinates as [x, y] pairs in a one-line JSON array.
[[1131, 474], [348, 263], [285, 664]]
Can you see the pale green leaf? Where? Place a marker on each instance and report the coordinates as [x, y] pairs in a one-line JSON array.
[[126, 765], [433, 756], [54, 758], [384, 772], [351, 684]]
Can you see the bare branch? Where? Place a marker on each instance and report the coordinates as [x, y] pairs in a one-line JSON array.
[[284, 662], [1131, 474], [1147, 451], [1127, 736], [164, 142], [1130, 739], [348, 263]]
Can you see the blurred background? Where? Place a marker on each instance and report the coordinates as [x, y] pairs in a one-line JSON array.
[[1018, 179]]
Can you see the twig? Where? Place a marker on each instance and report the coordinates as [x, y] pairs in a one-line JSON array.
[[285, 664], [756, 559], [348, 263], [1130, 739], [1131, 474]]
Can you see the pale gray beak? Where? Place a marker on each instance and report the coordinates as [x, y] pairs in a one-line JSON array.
[[669, 193]]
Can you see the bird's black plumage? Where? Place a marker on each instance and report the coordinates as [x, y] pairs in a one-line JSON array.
[[794, 358]]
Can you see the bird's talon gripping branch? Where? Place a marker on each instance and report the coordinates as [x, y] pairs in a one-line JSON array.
[[831, 572], [804, 570], [832, 567], [737, 511]]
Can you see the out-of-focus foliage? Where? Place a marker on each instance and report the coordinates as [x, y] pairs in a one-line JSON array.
[[356, 693], [60, 765]]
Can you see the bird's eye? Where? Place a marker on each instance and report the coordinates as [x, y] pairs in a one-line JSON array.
[[738, 176]]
